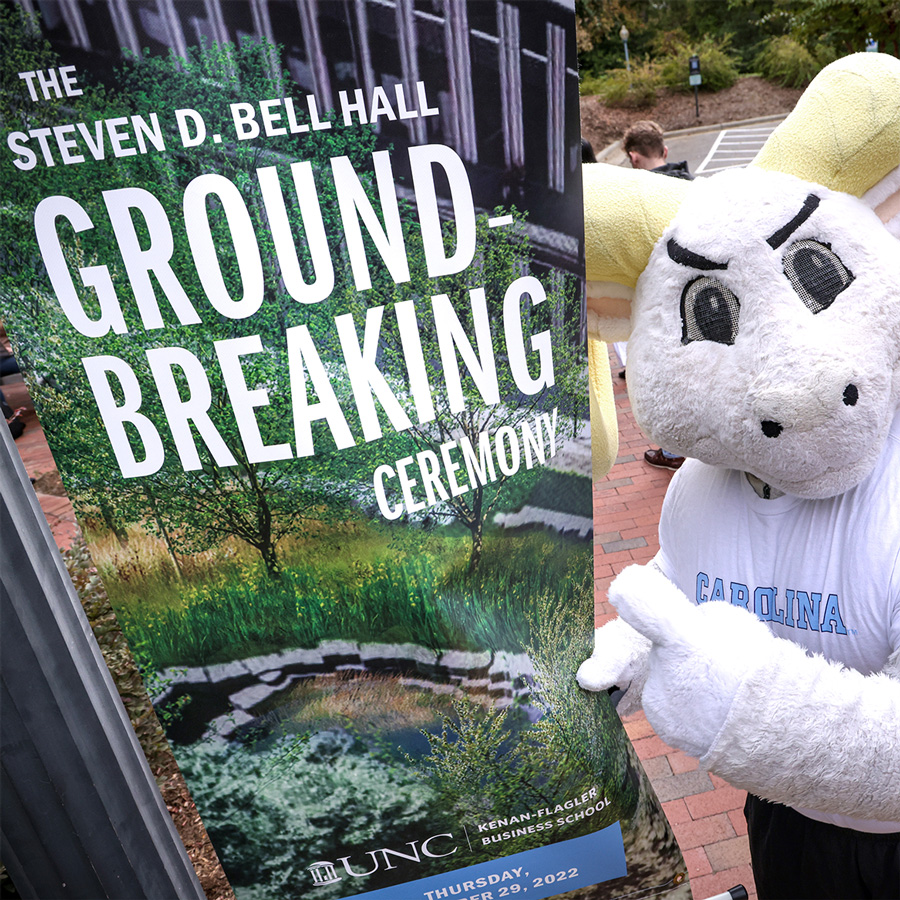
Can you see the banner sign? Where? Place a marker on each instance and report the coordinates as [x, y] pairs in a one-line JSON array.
[[298, 288]]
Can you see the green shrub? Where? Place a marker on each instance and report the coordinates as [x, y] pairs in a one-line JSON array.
[[630, 90], [787, 62], [271, 812], [718, 66], [824, 55], [590, 84]]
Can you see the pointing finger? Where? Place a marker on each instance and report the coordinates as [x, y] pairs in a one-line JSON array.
[[652, 605]]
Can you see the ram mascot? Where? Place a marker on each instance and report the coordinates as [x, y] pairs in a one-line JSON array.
[[762, 311]]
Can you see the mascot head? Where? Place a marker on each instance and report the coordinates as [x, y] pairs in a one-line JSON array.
[[762, 306]]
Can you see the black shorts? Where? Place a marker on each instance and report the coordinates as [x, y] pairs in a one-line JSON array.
[[797, 858]]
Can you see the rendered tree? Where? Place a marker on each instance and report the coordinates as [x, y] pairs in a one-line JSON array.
[[258, 503], [502, 256]]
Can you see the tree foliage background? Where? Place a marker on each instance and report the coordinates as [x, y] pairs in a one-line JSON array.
[[822, 27]]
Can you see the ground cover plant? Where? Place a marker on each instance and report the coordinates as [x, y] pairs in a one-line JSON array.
[[383, 595], [271, 811]]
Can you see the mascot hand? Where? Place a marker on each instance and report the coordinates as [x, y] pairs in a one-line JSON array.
[[699, 657], [619, 660]]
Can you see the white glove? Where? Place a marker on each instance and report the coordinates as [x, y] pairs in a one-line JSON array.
[[699, 658], [758, 710], [619, 660]]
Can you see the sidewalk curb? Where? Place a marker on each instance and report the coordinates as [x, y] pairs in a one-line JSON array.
[[737, 123], [604, 154]]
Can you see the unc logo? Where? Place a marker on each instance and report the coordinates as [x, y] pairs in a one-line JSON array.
[[323, 873]]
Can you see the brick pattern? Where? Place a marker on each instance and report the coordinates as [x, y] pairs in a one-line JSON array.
[[705, 813], [38, 460]]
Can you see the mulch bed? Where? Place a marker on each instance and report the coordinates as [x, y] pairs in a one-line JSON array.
[[750, 97]]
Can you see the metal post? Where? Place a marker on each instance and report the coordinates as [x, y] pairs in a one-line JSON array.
[[624, 34], [695, 79], [81, 815]]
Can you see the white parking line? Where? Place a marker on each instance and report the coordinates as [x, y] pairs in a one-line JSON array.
[[712, 152], [734, 148]]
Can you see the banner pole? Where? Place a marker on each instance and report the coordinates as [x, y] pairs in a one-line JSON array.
[[82, 816]]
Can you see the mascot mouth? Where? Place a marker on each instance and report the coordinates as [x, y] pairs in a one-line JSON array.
[[791, 472], [828, 482]]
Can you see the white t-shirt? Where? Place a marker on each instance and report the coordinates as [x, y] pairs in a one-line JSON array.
[[824, 574]]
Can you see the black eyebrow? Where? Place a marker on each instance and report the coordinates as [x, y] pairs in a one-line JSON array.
[[685, 257], [783, 233]]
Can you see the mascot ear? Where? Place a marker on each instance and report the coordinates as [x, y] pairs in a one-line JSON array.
[[844, 132], [884, 199], [604, 428]]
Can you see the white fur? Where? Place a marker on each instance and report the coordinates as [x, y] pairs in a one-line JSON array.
[[829, 743], [688, 653], [708, 400], [758, 710], [620, 660]]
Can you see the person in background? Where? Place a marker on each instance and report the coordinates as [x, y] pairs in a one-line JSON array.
[[644, 145]]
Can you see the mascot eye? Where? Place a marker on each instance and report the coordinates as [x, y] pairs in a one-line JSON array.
[[816, 273], [709, 312]]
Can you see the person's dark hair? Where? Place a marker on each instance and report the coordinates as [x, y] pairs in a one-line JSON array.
[[587, 151], [644, 137]]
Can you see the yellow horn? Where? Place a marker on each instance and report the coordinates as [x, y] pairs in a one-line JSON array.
[[844, 132], [625, 214]]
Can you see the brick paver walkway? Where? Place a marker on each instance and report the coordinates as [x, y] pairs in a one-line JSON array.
[[38, 460], [706, 814]]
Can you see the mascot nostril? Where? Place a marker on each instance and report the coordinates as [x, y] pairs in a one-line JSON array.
[[774, 429]]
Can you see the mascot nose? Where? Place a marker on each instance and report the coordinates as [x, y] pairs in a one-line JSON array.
[[808, 416]]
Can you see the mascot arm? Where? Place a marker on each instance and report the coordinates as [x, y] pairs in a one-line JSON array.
[[757, 710]]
